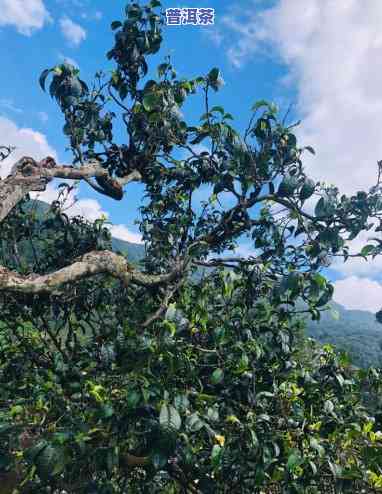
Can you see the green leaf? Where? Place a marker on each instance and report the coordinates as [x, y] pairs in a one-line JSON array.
[[61, 437], [287, 186], [107, 411], [112, 459], [181, 402], [133, 398], [319, 280], [31, 453], [326, 297], [366, 250], [340, 380], [43, 77], [162, 69], [5, 462], [5, 428], [335, 314], [314, 444], [307, 189], [194, 423], [324, 207], [213, 74], [260, 104], [115, 25], [335, 469], [216, 455], [171, 312], [320, 209], [294, 460], [50, 462], [150, 101], [169, 417], [16, 410], [291, 281], [213, 414], [313, 467], [219, 109], [217, 376], [328, 407]]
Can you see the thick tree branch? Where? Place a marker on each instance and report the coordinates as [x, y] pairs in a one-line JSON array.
[[28, 175], [91, 264]]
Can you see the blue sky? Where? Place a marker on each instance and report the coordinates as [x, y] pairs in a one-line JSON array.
[[321, 56]]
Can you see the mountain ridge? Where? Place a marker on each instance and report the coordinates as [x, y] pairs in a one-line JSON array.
[[355, 331]]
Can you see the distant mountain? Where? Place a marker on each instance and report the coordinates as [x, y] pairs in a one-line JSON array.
[[355, 331], [134, 252]]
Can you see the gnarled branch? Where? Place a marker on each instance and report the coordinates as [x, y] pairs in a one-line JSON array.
[[28, 175], [90, 264]]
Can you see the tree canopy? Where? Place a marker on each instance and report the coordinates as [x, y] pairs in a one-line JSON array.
[[161, 377]]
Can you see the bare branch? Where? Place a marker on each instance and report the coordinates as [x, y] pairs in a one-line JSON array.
[[162, 308]]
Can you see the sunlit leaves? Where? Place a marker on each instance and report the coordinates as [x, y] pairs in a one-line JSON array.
[[194, 423], [169, 417], [214, 79], [217, 376]]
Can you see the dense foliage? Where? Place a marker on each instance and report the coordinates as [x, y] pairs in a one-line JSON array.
[[180, 383]]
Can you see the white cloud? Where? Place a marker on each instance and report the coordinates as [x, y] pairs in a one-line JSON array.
[[73, 32], [215, 35], [91, 209], [28, 142], [26, 15], [332, 52], [8, 104], [358, 293], [356, 265], [96, 16], [122, 232]]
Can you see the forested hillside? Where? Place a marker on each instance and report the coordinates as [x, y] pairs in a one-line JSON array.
[[355, 331]]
